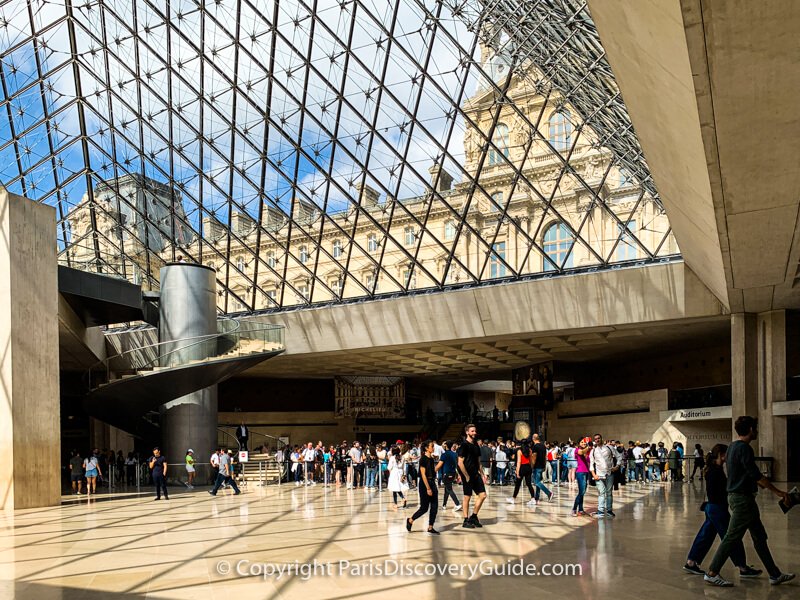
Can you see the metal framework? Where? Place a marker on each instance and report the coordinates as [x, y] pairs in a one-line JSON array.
[[325, 151]]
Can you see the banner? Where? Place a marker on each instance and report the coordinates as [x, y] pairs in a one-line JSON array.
[[370, 397], [534, 384]]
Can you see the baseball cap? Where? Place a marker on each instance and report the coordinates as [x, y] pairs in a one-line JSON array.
[[190, 450], [586, 440]]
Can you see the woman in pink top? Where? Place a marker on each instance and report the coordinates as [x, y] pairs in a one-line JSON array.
[[581, 474]]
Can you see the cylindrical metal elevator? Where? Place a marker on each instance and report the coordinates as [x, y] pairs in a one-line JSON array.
[[188, 309]]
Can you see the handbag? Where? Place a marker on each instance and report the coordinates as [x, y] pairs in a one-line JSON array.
[[404, 486]]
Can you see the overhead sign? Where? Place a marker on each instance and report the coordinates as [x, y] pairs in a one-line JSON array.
[[698, 414], [786, 409]]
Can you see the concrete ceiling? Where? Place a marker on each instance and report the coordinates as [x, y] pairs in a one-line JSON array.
[[711, 87]]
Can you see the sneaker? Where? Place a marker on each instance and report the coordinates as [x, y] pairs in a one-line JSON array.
[[432, 531], [611, 514], [550, 497], [574, 513], [236, 493], [750, 573], [782, 578], [717, 581], [531, 502], [467, 524], [474, 520], [598, 515], [159, 498], [510, 500], [212, 493], [457, 509], [408, 524], [693, 569]]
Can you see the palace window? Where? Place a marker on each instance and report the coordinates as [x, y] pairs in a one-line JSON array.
[[558, 242], [500, 140], [560, 130]]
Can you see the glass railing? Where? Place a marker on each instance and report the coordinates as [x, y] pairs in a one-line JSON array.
[[234, 339]]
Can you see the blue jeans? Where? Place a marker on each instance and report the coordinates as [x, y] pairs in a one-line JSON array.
[[655, 472], [605, 500], [716, 524], [639, 471], [222, 478], [372, 476], [581, 478], [501, 475], [537, 482], [553, 471]]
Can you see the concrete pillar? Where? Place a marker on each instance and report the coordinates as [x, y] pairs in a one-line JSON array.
[[30, 428], [771, 389], [188, 309], [744, 365]]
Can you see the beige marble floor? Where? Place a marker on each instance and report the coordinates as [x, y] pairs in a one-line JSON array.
[[197, 547]]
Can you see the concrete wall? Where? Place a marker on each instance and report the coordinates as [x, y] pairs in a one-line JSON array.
[[29, 368], [300, 427], [606, 298], [647, 426]]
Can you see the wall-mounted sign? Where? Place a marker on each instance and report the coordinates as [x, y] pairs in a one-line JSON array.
[[534, 382], [370, 397], [697, 414]]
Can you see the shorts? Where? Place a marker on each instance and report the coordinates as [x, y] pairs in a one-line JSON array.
[[91, 473], [76, 477], [474, 487], [189, 469]]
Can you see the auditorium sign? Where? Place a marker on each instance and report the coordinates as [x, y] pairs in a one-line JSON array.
[[697, 414]]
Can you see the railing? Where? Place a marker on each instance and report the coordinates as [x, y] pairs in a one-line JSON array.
[[234, 338]]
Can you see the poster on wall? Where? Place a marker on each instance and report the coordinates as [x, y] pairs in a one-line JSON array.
[[370, 397], [534, 384]]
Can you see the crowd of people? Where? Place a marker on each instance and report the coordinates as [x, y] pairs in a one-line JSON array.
[[730, 509]]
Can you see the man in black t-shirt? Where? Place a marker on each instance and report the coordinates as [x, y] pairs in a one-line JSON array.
[[539, 453], [158, 469], [469, 464]]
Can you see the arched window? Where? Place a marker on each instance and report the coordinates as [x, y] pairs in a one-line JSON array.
[[558, 242], [560, 130], [240, 263], [500, 140]]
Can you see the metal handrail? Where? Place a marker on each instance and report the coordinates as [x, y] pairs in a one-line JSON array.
[[264, 435], [197, 340], [196, 337], [230, 435]]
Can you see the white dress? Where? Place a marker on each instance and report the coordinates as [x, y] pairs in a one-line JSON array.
[[395, 469]]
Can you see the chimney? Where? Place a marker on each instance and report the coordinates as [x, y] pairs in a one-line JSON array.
[[445, 180], [367, 196]]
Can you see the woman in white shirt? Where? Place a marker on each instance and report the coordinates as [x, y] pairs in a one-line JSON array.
[[397, 478]]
